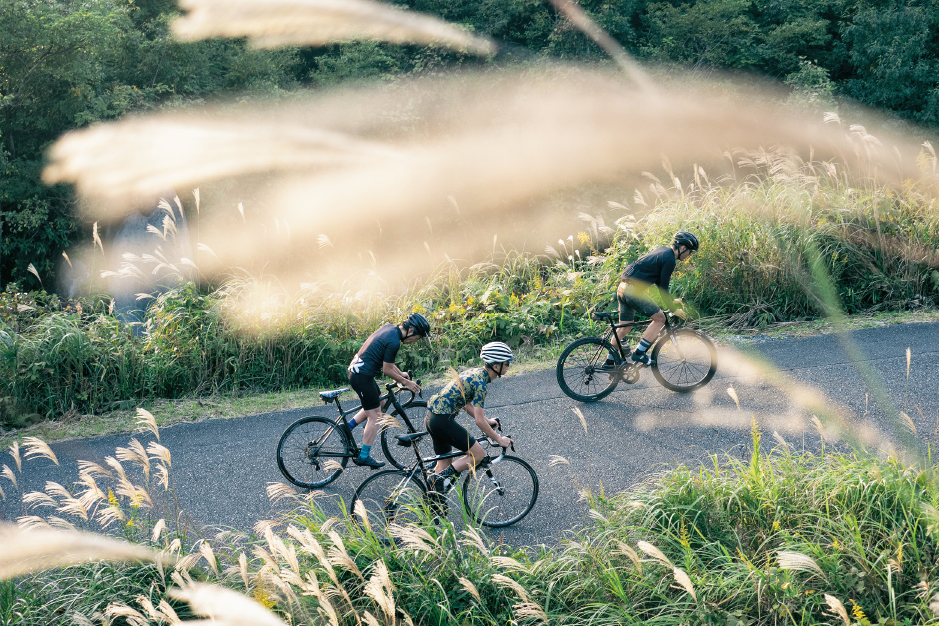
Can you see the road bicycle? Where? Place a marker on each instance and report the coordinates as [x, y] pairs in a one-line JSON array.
[[681, 359], [314, 450], [498, 492]]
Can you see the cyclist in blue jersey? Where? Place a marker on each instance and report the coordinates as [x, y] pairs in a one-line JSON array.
[[467, 392], [652, 269], [376, 357]]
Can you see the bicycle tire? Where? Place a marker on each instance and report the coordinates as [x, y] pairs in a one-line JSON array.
[[685, 360], [388, 497], [578, 369], [305, 466], [504, 504], [399, 456]]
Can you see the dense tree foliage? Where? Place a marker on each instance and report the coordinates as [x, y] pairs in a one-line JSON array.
[[66, 64]]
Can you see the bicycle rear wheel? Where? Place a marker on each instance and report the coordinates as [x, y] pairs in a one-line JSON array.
[[312, 452], [501, 493], [580, 369], [388, 497], [684, 361], [400, 456]]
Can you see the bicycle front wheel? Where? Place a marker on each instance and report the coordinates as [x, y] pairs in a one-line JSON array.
[[502, 493], [400, 456], [388, 497], [580, 370], [312, 452], [685, 360]]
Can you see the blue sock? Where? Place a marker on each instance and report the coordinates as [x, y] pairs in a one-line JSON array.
[[365, 452], [352, 423], [643, 346]]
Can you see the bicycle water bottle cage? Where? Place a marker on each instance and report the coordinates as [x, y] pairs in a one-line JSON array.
[[329, 396]]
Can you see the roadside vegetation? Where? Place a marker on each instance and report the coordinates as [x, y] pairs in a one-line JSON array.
[[775, 537], [759, 230]]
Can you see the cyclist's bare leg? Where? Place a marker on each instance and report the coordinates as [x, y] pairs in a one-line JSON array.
[[476, 454], [371, 426], [658, 323]]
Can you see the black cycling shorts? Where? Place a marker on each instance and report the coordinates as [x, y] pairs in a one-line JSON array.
[[367, 390], [634, 296], [447, 434]]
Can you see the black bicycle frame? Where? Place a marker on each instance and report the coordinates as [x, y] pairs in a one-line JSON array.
[[614, 326], [389, 398]]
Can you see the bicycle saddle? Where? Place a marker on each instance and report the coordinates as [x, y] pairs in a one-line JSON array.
[[601, 315], [405, 440], [328, 396]]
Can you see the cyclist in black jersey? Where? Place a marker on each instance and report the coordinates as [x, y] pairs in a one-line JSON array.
[[376, 357], [654, 268]]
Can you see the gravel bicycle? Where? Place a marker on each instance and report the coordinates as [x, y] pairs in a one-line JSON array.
[[500, 491], [681, 359], [314, 450]]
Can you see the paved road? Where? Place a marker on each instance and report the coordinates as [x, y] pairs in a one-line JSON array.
[[222, 467]]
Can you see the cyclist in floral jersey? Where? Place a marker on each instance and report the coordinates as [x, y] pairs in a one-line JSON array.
[[468, 392]]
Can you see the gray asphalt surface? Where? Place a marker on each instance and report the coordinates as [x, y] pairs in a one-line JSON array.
[[222, 467]]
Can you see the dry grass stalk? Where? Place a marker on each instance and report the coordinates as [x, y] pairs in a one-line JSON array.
[[380, 589], [797, 561], [9, 475], [34, 550], [474, 539], [780, 440], [508, 563], [655, 553], [733, 396], [279, 491], [158, 529], [908, 423], [93, 469], [132, 616], [530, 610], [224, 606], [509, 583], [205, 549], [557, 460], [15, 453], [583, 420], [147, 423], [339, 557], [471, 588], [681, 577], [819, 427], [414, 538], [626, 550], [361, 514], [160, 453], [36, 447], [838, 609], [318, 22], [135, 453]]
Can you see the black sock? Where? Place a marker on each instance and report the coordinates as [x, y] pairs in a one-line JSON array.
[[643, 346]]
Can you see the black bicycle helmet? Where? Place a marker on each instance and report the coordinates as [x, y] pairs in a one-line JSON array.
[[419, 323], [684, 238]]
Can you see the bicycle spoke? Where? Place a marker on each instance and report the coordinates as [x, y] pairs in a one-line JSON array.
[[502, 493]]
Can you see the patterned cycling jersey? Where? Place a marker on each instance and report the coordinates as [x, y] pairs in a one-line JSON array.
[[470, 389]]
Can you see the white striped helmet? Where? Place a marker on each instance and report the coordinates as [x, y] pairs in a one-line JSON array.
[[496, 352]]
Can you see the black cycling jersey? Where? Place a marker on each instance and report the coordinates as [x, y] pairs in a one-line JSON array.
[[654, 268], [381, 347]]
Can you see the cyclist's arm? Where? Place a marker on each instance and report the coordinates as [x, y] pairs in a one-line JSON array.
[[479, 416], [391, 371]]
